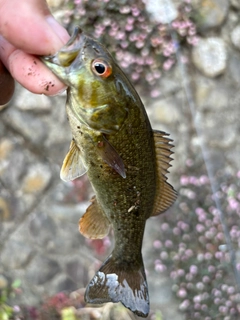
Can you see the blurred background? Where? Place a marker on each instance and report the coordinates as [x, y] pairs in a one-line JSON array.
[[184, 60]]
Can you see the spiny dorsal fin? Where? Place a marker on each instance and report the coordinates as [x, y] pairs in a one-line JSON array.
[[94, 224], [72, 166], [165, 194]]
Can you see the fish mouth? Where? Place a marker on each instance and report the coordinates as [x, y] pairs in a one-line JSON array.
[[69, 52]]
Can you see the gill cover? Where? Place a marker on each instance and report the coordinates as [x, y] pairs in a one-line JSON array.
[[87, 68]]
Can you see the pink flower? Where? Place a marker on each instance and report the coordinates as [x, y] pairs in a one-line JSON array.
[[200, 228], [182, 293], [160, 267], [184, 180], [157, 244], [193, 269], [184, 305], [165, 226]]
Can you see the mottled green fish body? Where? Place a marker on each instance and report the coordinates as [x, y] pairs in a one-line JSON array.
[[126, 162]]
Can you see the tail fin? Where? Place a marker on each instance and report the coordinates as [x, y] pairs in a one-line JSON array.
[[128, 285]]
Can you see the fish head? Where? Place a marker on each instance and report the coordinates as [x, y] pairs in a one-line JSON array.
[[99, 94]]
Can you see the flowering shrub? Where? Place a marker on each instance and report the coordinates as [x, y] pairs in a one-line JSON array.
[[193, 247], [141, 46]]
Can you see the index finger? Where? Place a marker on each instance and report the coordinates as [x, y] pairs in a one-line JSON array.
[[29, 26]]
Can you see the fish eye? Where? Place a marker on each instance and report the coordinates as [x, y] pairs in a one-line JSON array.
[[101, 68]]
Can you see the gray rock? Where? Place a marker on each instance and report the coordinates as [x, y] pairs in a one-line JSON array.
[[162, 11], [235, 4], [164, 111], [28, 125], [36, 179], [234, 68], [69, 213], [43, 229], [63, 283], [76, 270], [27, 101], [41, 270], [16, 254], [210, 94], [210, 56], [12, 162], [235, 37], [210, 13]]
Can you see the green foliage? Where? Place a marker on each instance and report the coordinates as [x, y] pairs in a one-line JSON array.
[[6, 311]]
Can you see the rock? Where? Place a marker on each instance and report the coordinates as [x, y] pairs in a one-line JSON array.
[[69, 213], [235, 4], [4, 210], [6, 145], [41, 270], [164, 111], [210, 13], [210, 56], [209, 93], [3, 282], [63, 283], [13, 161], [235, 37], [3, 106], [77, 271], [162, 11], [234, 68], [37, 179], [28, 125], [28, 101], [43, 229], [16, 254]]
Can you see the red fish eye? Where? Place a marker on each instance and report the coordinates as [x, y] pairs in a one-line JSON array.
[[101, 68]]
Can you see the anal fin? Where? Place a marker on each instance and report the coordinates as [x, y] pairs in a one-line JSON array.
[[72, 166], [94, 224], [165, 193]]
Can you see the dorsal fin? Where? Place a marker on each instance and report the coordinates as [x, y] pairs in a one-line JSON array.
[[94, 224], [165, 194], [72, 166]]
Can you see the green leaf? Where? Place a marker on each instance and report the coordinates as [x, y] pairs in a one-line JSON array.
[[16, 283], [68, 313]]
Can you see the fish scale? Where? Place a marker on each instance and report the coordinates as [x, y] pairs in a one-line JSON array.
[[125, 160]]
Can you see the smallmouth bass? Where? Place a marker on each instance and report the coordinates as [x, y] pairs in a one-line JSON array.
[[126, 162]]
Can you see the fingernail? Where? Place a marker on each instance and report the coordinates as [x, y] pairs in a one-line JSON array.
[[58, 29]]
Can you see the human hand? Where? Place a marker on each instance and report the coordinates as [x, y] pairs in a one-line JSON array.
[[27, 30]]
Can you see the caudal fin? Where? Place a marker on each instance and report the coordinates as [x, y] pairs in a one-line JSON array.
[[128, 285]]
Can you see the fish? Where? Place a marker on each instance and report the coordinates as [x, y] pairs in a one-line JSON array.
[[126, 162]]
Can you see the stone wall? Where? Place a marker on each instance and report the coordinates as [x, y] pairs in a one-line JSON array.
[[39, 239]]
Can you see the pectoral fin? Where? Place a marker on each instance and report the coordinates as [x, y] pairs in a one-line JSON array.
[[165, 193], [109, 155], [94, 224], [72, 167]]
